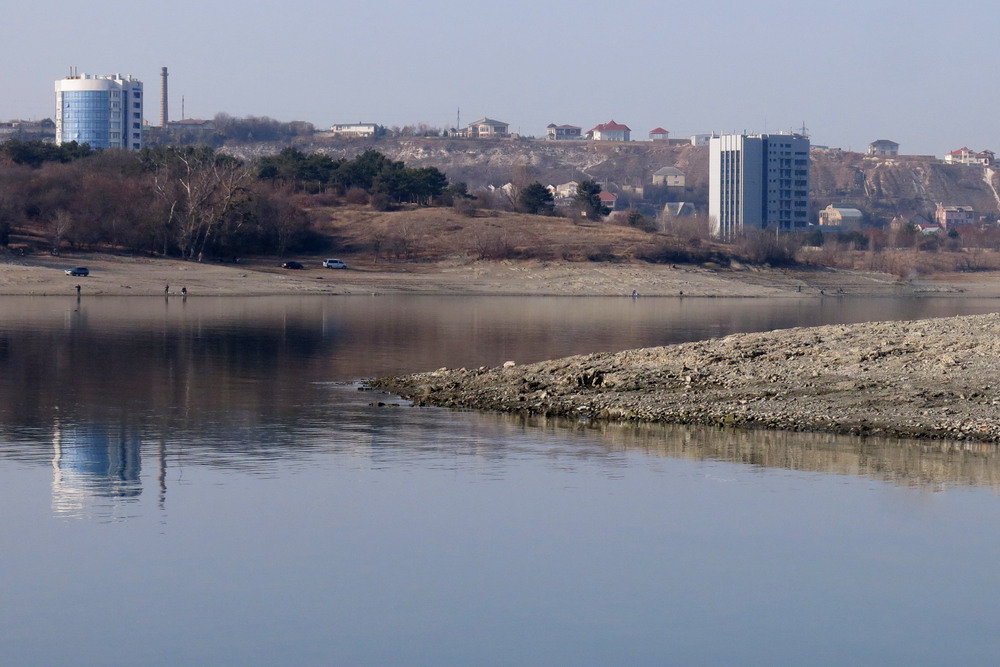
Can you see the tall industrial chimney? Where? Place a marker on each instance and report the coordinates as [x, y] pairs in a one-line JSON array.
[[164, 118]]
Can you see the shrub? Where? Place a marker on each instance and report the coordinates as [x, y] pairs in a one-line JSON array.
[[466, 207], [766, 247], [381, 202], [356, 196]]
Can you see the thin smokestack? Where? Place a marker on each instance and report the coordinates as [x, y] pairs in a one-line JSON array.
[[164, 118]]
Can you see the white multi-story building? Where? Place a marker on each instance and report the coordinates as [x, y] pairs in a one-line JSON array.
[[357, 130], [758, 181], [104, 111]]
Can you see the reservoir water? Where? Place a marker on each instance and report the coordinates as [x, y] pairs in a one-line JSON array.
[[202, 481]]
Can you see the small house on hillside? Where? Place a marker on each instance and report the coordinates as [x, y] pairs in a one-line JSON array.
[[965, 156], [563, 132], [950, 217], [659, 134], [669, 176], [883, 148], [846, 218], [487, 128], [357, 130], [608, 199], [565, 190], [679, 209], [610, 131]]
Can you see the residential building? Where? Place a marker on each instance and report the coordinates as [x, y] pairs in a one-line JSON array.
[[191, 124], [758, 182], [965, 156], [679, 209], [566, 190], [846, 218], [950, 217], [487, 128], [563, 132], [610, 131], [700, 139], [659, 134], [608, 199], [365, 130], [104, 111], [883, 148], [669, 176]]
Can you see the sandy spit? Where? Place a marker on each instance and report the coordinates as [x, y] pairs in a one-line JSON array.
[[933, 378]]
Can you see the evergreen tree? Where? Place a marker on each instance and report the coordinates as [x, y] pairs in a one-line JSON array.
[[537, 199]]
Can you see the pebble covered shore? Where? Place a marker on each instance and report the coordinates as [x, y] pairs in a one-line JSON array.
[[936, 378]]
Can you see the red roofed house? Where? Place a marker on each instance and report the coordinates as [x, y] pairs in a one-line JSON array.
[[659, 134], [608, 199], [610, 131], [965, 156]]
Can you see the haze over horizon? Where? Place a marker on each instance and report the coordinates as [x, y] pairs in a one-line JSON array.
[[852, 72]]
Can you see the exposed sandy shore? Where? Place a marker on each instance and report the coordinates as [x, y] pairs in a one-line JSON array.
[[122, 275], [927, 379]]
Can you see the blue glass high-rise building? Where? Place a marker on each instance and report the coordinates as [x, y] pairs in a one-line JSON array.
[[104, 111]]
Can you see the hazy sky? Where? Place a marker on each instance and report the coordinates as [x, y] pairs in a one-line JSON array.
[[921, 73]]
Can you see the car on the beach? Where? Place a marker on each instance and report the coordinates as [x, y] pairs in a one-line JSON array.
[[334, 264], [292, 265], [78, 271]]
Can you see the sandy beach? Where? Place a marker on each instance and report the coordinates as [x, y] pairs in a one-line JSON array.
[[144, 276]]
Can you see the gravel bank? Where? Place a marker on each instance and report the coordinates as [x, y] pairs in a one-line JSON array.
[[934, 378]]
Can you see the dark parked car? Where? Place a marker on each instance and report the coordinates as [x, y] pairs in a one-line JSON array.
[[292, 265], [78, 271]]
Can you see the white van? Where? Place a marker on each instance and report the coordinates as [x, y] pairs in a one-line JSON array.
[[334, 264]]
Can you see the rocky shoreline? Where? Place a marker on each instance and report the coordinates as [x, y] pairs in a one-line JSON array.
[[935, 378]]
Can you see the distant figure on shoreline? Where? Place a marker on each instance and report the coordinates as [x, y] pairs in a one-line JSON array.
[[635, 294], [78, 290], [166, 290], [184, 291]]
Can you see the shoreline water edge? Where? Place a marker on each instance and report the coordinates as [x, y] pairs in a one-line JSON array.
[[933, 378]]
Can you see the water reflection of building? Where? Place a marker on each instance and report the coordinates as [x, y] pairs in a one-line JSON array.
[[93, 462]]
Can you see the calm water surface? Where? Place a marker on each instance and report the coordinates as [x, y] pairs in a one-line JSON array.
[[202, 482]]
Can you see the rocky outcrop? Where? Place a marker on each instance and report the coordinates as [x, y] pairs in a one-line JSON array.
[[927, 379]]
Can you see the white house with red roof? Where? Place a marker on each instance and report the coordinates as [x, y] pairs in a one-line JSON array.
[[659, 134], [965, 156], [610, 131]]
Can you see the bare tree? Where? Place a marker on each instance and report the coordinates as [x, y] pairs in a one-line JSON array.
[[199, 189]]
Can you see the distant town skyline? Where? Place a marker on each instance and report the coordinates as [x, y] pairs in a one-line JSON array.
[[853, 72]]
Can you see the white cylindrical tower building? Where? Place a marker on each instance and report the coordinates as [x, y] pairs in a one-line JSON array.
[[102, 111]]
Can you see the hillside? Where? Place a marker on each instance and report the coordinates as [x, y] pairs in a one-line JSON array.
[[881, 187]]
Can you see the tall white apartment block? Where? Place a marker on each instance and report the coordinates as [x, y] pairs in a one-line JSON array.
[[104, 111], [758, 181]]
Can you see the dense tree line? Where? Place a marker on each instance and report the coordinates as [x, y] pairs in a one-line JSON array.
[[186, 202], [372, 172]]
